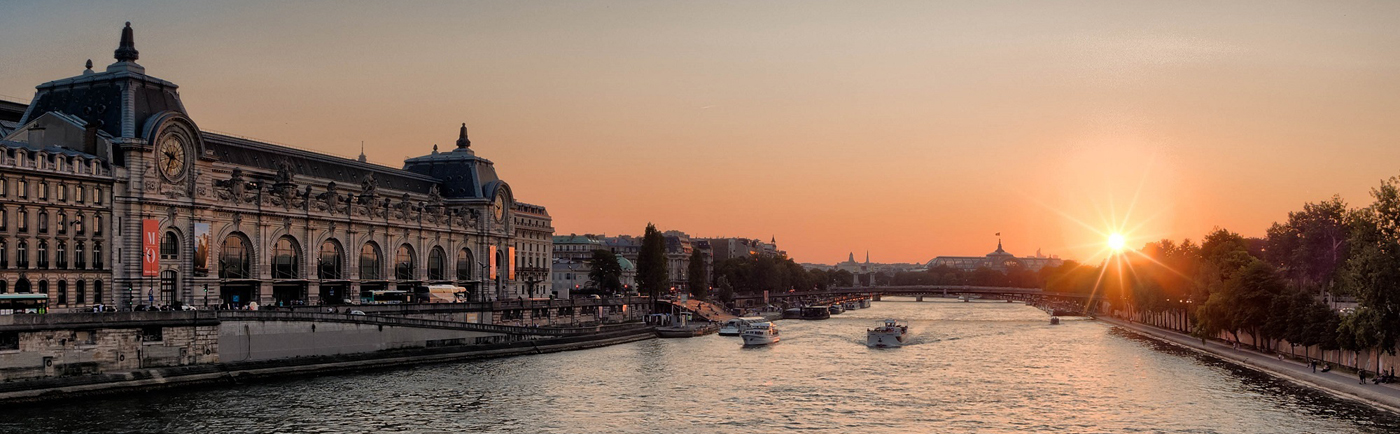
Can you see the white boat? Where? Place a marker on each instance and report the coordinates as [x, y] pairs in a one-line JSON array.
[[735, 326], [761, 333], [886, 336]]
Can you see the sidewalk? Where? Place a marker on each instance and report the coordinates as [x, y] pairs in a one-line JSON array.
[[1383, 396]]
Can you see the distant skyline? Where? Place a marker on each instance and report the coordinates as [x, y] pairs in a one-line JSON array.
[[908, 129]]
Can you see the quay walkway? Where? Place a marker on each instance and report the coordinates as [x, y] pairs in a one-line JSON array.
[[1341, 384], [704, 309]]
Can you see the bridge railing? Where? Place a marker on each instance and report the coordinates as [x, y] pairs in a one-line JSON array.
[[414, 322]]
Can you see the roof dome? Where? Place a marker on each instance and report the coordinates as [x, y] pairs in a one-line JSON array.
[[625, 264]]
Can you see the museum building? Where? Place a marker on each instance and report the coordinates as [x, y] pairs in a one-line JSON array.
[[111, 194]]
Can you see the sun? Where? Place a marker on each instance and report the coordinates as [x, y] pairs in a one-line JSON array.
[[1116, 242]]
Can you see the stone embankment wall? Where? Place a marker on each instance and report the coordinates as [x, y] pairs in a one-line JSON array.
[[251, 340], [1180, 321], [41, 346]]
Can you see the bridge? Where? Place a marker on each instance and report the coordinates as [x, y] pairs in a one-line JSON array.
[[1010, 293]]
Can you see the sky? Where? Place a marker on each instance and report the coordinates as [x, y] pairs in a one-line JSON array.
[[906, 129]]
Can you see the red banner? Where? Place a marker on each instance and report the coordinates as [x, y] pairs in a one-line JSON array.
[[510, 274], [150, 243], [493, 263]]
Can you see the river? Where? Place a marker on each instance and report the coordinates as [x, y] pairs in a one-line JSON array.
[[971, 367]]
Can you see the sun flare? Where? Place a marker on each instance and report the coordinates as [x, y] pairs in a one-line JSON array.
[[1116, 242]]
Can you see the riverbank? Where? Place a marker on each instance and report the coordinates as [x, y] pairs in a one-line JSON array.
[[1341, 384], [236, 373]]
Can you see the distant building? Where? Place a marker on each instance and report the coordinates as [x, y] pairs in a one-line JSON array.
[[570, 268], [728, 248], [997, 260], [534, 249]]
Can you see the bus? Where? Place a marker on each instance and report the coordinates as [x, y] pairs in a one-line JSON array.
[[11, 304]]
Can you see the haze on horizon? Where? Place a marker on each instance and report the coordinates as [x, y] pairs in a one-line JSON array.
[[908, 129]]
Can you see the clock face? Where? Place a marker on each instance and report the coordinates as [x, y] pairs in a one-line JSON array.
[[499, 207], [170, 156]]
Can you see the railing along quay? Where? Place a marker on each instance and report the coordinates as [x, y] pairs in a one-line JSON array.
[[414, 322]]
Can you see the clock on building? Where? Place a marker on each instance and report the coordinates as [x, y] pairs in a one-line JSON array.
[[498, 208], [172, 155]]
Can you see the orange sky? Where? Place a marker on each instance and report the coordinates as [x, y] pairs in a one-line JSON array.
[[909, 129]]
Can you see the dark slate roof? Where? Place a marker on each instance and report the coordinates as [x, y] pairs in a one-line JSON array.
[[11, 111], [343, 171], [464, 175], [97, 96]]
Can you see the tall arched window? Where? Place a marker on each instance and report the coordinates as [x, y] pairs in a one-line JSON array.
[[61, 255], [22, 286], [286, 256], [97, 292], [404, 266], [22, 254], [79, 255], [63, 292], [43, 286], [169, 246], [62, 223], [43, 222], [235, 259], [97, 255], [329, 261], [370, 262], [43, 254], [465, 264], [437, 264], [80, 293], [4, 254]]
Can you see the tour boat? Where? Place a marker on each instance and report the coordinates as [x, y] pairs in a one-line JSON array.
[[1054, 320], [735, 326], [889, 335], [816, 312], [794, 313], [836, 309], [762, 333]]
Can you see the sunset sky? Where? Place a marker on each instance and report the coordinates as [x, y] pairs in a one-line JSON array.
[[909, 129]]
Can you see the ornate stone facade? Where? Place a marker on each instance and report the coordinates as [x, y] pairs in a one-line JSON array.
[[241, 221]]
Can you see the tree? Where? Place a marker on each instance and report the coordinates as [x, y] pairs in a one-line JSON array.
[[723, 290], [1372, 272], [652, 275], [1312, 245], [695, 275], [605, 272]]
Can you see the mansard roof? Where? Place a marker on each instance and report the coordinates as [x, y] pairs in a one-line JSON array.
[[250, 153]]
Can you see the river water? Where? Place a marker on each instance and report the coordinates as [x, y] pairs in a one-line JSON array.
[[980, 367]]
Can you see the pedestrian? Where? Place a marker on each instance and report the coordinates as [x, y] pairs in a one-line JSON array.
[[1313, 364], [1362, 375]]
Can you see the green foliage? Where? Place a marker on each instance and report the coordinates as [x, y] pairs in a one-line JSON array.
[[695, 276], [605, 272], [652, 275], [1372, 272], [1313, 244]]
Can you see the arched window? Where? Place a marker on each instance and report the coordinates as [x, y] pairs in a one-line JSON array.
[[330, 260], [22, 254], [286, 255], [80, 293], [43, 287], [370, 262], [43, 222], [97, 255], [22, 286], [79, 255], [169, 246], [404, 266], [23, 223], [465, 264], [4, 254], [235, 259], [2, 286], [43, 253], [97, 292], [61, 256], [78, 223], [62, 223], [437, 264], [63, 292], [501, 265]]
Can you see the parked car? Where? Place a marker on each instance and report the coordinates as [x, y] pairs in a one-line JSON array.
[[357, 312]]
